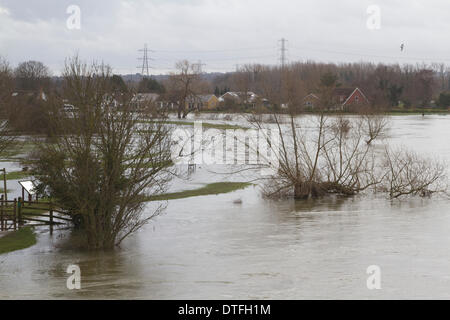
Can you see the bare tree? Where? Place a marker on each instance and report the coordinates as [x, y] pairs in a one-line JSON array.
[[243, 81], [325, 154], [326, 157], [410, 174], [183, 85], [317, 155], [6, 90], [32, 75], [384, 85], [107, 159], [375, 125], [327, 85]]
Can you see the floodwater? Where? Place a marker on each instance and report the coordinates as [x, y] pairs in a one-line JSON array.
[[211, 248]]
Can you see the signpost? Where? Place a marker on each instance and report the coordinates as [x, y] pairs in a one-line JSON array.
[[29, 187], [4, 184]]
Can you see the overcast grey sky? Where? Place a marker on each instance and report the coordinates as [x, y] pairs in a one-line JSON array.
[[223, 33]]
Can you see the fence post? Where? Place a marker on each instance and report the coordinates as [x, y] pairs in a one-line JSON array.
[[51, 218], [5, 190], [1, 213], [15, 214], [19, 210]]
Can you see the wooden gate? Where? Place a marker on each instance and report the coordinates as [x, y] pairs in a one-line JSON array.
[[18, 213]]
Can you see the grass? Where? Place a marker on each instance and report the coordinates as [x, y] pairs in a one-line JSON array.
[[222, 126], [150, 165], [17, 148], [207, 125], [209, 189], [16, 175], [17, 240], [393, 111], [416, 111]]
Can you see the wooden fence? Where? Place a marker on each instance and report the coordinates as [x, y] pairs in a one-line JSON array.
[[17, 213]]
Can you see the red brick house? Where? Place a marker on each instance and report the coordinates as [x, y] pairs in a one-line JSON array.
[[344, 98], [348, 97]]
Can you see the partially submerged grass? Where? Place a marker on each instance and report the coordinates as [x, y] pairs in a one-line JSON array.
[[417, 112], [206, 125], [17, 240], [17, 148], [150, 165], [16, 175], [209, 189]]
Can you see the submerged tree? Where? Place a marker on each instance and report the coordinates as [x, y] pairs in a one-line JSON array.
[[106, 159], [410, 174], [330, 154], [325, 155], [375, 125], [320, 156]]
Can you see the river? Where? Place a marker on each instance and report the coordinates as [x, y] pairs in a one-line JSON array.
[[212, 248]]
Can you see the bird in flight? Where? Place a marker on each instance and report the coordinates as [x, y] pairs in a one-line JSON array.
[[402, 46]]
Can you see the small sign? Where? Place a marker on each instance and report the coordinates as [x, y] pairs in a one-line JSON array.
[[28, 186]]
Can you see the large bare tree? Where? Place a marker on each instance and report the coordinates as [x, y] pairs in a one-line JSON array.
[[183, 85], [106, 159], [6, 90]]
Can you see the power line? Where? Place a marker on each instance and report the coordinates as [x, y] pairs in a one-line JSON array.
[[199, 65], [227, 58], [283, 51], [362, 55], [214, 50], [145, 67]]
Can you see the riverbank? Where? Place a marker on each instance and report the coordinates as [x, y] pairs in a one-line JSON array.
[[17, 240], [17, 175], [219, 126], [209, 189], [417, 111], [394, 111]]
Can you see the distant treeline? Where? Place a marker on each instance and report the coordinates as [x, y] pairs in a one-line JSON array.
[[23, 89], [410, 85]]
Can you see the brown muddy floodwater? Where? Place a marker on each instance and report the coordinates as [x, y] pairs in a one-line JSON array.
[[210, 248]]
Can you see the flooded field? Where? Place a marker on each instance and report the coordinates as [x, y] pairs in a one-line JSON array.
[[209, 247]]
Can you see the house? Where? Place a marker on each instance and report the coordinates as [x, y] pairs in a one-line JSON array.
[[193, 103], [311, 101], [209, 101], [202, 102], [38, 95], [343, 98], [142, 99], [239, 98], [145, 97], [348, 97]]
